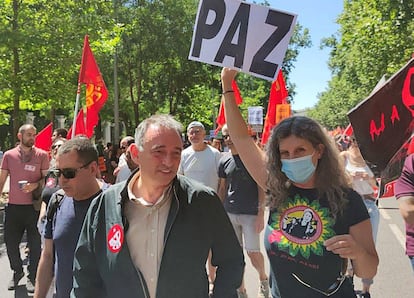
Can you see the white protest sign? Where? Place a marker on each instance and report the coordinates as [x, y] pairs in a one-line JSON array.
[[241, 35], [255, 115]]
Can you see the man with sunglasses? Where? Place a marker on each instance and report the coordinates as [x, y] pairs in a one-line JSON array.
[[51, 185], [59, 133], [29, 164], [150, 236], [76, 170], [244, 202]]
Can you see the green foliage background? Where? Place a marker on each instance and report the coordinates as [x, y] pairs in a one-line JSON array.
[[41, 46], [375, 39]]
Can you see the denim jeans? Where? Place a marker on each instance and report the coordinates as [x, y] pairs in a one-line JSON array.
[[411, 261], [374, 217]]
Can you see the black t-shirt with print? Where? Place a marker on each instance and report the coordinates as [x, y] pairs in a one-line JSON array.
[[294, 243]]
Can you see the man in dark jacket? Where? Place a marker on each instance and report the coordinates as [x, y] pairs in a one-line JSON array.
[[150, 236]]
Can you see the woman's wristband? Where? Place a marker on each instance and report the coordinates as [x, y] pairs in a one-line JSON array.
[[228, 91]]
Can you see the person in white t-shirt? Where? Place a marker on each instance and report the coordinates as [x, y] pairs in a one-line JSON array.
[[122, 172], [200, 162]]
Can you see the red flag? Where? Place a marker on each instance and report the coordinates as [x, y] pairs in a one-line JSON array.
[[221, 118], [278, 95], [44, 137], [389, 189], [348, 131], [80, 126], [96, 92]]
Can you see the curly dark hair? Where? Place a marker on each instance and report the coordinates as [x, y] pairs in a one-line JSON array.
[[331, 180]]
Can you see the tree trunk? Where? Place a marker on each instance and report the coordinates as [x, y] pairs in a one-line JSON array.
[[16, 80]]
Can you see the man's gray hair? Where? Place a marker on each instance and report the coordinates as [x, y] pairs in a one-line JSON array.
[[159, 120]]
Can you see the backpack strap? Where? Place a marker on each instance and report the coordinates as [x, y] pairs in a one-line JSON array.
[[54, 204]]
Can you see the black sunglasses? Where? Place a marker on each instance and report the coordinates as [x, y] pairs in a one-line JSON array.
[[226, 137], [69, 173], [56, 146]]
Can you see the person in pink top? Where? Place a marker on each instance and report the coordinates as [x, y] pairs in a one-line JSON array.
[[26, 165], [404, 192]]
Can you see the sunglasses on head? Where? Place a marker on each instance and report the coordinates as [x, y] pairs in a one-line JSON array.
[[69, 173]]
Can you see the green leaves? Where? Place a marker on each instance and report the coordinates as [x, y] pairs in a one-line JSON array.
[[40, 54], [375, 38]]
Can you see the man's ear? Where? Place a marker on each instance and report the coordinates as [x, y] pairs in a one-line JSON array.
[[95, 167], [133, 148]]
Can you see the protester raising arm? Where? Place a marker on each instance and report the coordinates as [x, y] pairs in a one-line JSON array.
[[252, 156], [307, 191]]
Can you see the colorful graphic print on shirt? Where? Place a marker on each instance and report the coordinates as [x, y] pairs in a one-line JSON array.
[[301, 227]]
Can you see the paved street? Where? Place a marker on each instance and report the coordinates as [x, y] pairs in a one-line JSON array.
[[394, 278]]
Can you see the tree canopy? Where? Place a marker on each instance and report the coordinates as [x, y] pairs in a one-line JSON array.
[[41, 46], [375, 39]]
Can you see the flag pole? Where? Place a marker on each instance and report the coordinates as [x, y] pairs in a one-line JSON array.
[[75, 113]]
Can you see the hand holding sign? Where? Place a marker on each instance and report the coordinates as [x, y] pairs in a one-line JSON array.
[[227, 77], [226, 34]]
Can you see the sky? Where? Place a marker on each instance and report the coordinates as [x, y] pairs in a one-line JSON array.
[[311, 73]]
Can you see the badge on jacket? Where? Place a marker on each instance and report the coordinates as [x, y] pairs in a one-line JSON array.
[[115, 238]]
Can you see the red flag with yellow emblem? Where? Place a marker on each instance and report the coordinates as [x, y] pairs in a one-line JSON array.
[[96, 92]]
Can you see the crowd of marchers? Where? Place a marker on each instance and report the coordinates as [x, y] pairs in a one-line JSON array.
[[159, 216]]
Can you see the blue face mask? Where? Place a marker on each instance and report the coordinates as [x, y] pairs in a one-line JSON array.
[[298, 170]]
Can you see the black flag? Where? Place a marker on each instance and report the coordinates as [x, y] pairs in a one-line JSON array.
[[383, 122]]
